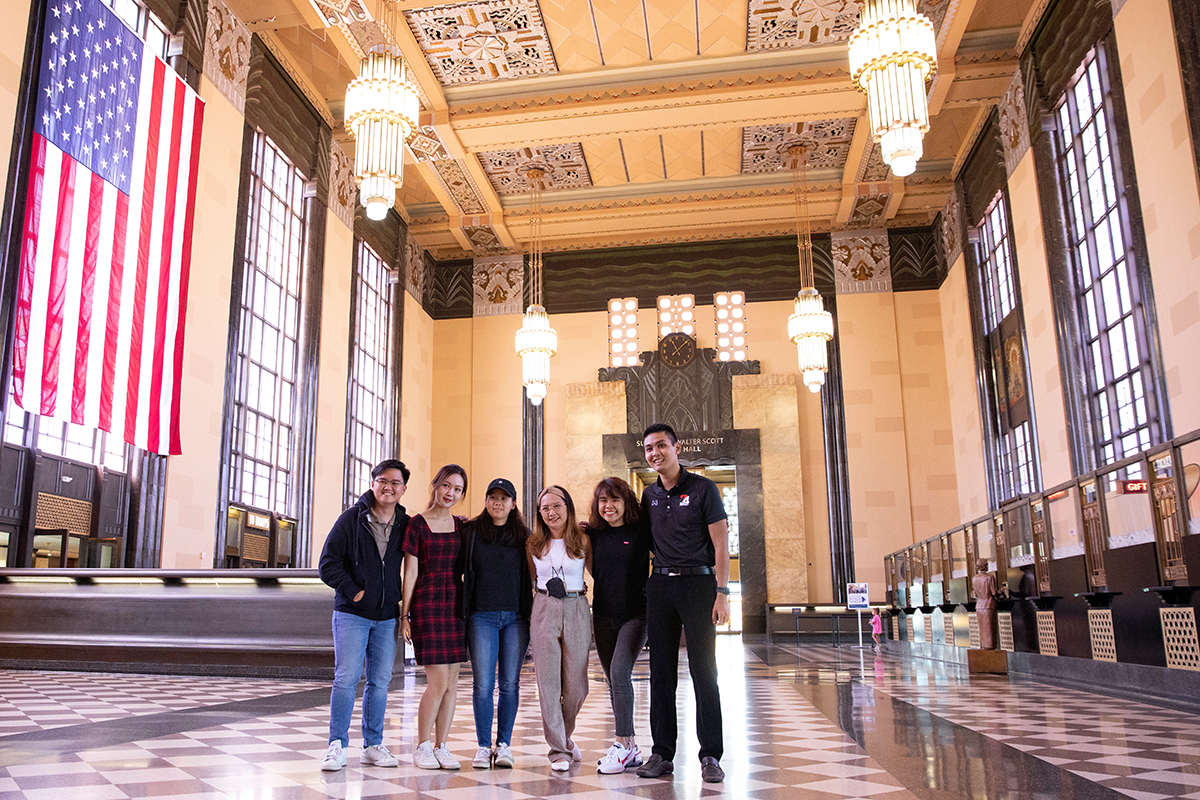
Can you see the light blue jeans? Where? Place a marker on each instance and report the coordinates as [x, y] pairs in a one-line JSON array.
[[496, 639], [359, 642]]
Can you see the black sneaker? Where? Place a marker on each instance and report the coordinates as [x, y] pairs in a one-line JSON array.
[[710, 770], [655, 767]]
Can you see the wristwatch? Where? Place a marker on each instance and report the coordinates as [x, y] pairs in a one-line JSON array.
[[722, 590]]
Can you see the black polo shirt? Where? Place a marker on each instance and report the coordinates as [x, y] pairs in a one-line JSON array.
[[679, 520]]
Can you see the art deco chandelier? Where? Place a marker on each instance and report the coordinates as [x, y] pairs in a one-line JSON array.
[[810, 327], [536, 341]]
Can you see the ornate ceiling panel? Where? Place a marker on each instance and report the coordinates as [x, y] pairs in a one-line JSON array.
[[831, 137], [773, 24], [486, 41], [564, 164]]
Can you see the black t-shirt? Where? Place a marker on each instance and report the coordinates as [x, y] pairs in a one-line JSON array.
[[497, 574], [620, 565], [679, 520]]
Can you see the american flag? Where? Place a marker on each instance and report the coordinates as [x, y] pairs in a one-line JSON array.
[[108, 231]]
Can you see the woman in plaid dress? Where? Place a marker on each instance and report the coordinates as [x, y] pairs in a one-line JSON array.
[[432, 616]]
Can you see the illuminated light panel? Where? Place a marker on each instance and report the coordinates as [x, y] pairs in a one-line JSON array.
[[623, 332], [676, 314], [729, 324]]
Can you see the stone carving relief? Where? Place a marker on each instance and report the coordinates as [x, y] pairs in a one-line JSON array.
[[829, 142], [499, 285], [483, 239], [950, 233], [426, 145], [872, 167], [484, 41], [773, 24], [414, 269], [861, 262], [343, 189], [460, 187], [227, 53], [869, 207], [565, 167], [1014, 123]]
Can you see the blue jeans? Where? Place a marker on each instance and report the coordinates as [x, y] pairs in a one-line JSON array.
[[357, 640], [496, 638]]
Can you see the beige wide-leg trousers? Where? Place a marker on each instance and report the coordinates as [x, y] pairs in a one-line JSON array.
[[560, 635]]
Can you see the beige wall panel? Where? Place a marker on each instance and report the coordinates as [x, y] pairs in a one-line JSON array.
[[682, 151], [1166, 173], [592, 410], [723, 151], [927, 427], [605, 162], [1046, 379], [416, 395], [672, 31], [450, 434], [875, 434], [964, 397], [643, 158], [495, 421], [622, 28], [12, 54], [722, 28], [329, 462], [571, 35], [191, 502]]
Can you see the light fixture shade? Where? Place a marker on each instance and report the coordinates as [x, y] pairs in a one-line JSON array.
[[809, 328], [892, 55], [536, 344], [382, 108]]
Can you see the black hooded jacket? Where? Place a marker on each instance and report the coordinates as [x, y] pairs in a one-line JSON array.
[[350, 563]]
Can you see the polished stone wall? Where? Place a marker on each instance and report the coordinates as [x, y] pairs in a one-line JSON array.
[[592, 410]]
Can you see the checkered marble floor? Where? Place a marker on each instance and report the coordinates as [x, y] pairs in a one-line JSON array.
[[31, 701], [783, 737]]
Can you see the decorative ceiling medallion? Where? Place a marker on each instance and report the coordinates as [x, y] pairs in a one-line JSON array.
[[828, 141], [487, 41], [426, 145], [773, 24], [563, 164], [460, 187]]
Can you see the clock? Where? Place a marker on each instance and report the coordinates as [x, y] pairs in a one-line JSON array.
[[677, 349]]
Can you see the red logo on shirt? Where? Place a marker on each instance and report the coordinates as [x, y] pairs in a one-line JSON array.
[[683, 500]]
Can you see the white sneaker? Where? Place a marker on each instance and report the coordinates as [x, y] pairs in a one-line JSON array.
[[576, 753], [504, 757], [618, 759], [482, 759], [560, 766], [424, 758], [445, 758], [378, 756], [334, 758]]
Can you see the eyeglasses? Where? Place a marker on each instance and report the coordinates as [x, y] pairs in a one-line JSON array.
[[384, 482], [555, 507]]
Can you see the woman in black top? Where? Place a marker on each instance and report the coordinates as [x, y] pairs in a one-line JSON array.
[[497, 601], [620, 565]]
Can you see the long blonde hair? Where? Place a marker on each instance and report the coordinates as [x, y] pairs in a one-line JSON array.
[[574, 538]]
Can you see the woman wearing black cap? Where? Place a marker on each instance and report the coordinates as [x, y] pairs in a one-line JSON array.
[[497, 602]]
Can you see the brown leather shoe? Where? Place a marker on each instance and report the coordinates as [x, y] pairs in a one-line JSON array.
[[655, 767], [710, 770]]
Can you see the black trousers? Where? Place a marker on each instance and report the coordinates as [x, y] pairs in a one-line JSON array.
[[676, 603]]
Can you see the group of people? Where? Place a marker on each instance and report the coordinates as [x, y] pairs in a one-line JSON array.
[[489, 588]]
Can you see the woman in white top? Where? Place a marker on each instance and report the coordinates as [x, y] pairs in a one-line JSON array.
[[561, 627]]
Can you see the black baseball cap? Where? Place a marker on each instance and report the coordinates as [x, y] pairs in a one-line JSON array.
[[504, 485]]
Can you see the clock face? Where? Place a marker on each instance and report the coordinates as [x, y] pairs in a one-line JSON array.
[[677, 349]]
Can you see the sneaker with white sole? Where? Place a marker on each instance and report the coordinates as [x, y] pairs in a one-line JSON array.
[[334, 758], [482, 759], [378, 756], [445, 758], [576, 753], [504, 757], [560, 766], [619, 758], [424, 758]]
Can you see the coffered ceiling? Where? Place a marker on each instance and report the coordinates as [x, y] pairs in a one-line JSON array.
[[657, 120]]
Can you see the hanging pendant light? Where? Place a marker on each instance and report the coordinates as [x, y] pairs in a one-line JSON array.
[[892, 55], [810, 327], [382, 108], [536, 341]]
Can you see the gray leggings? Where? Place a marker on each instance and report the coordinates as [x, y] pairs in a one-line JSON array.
[[618, 647]]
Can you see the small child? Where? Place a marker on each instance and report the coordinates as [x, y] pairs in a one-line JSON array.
[[876, 628]]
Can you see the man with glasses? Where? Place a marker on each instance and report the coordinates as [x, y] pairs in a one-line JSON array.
[[361, 562]]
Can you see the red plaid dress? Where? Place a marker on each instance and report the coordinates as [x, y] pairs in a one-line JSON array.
[[439, 633]]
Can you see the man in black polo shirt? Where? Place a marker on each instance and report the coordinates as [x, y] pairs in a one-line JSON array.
[[687, 591]]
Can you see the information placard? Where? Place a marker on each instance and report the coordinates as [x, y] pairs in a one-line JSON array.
[[857, 597]]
